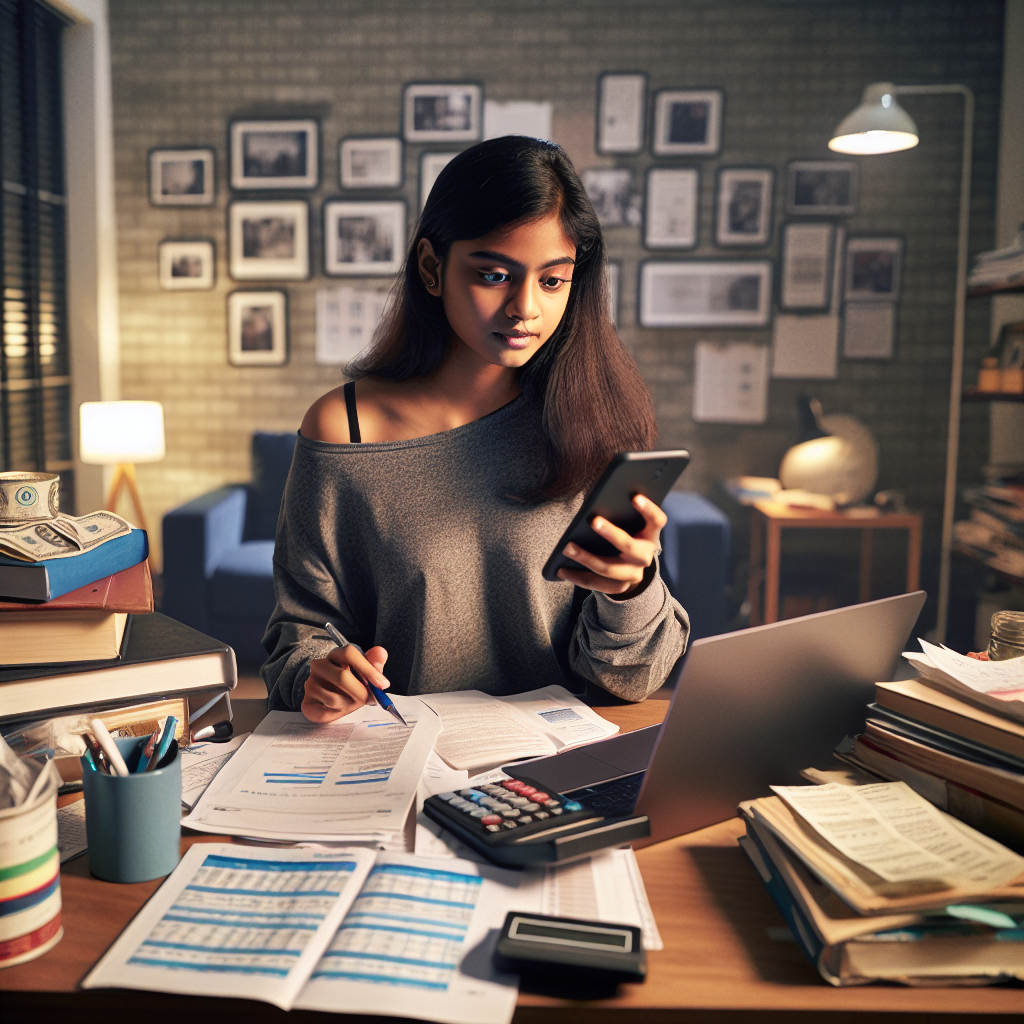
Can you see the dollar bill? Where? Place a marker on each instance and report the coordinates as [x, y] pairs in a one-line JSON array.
[[61, 537]]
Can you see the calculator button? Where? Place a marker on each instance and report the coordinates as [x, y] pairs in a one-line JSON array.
[[572, 805], [531, 807], [513, 785], [528, 791], [518, 801], [551, 804], [466, 792], [493, 828], [463, 805], [525, 820], [542, 816], [491, 819], [555, 810], [447, 797], [478, 812], [540, 798], [512, 812], [508, 824]]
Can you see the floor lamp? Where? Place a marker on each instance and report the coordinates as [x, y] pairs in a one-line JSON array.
[[119, 434], [881, 125]]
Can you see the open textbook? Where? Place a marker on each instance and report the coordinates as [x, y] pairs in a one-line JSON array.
[[479, 731], [343, 930], [350, 780]]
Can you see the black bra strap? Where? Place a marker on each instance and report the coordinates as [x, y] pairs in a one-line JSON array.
[[350, 407]]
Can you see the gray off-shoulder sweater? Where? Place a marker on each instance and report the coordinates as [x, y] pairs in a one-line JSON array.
[[421, 547]]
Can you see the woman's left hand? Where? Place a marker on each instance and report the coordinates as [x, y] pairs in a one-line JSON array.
[[618, 576]]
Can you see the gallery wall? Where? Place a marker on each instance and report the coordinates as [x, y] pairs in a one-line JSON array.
[[788, 71]]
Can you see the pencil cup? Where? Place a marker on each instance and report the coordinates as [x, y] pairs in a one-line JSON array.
[[133, 822]]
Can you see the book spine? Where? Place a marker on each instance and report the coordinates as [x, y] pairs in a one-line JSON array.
[[67, 574]]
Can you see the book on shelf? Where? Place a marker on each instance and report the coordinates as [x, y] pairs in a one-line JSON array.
[[87, 624], [848, 948], [162, 658], [54, 577]]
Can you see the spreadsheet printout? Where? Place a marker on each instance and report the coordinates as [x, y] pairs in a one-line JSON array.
[[298, 780], [418, 942], [233, 921]]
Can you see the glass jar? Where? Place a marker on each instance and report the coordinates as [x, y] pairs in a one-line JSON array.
[[1007, 639]]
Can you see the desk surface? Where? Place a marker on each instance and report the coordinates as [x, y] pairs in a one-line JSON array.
[[719, 964]]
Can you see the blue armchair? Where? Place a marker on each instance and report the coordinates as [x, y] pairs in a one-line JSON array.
[[219, 548]]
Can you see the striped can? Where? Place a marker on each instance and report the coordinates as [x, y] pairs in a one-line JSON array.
[[30, 877]]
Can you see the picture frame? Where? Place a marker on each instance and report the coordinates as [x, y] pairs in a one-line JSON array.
[[621, 103], [869, 331], [257, 328], [279, 154], [744, 204], [687, 122], [670, 208], [706, 293], [873, 269], [370, 162], [808, 253], [431, 165], [268, 240], [182, 177], [822, 188], [611, 192], [186, 264], [442, 112], [363, 238]]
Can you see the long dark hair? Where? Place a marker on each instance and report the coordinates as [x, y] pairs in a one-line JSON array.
[[594, 402]]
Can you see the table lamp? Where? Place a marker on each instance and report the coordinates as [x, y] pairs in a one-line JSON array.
[[120, 434]]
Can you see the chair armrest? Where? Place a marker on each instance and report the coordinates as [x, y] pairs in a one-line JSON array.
[[196, 536]]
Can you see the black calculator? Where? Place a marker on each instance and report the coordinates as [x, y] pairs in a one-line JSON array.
[[515, 823]]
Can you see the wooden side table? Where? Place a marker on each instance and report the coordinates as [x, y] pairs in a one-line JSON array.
[[770, 518]]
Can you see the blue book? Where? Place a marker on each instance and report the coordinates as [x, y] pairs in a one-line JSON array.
[[43, 581]]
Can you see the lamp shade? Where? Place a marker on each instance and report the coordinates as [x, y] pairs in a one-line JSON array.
[[878, 125], [113, 432]]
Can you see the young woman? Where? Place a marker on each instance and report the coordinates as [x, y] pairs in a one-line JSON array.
[[426, 495]]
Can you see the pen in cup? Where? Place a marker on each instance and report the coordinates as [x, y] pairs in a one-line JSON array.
[[163, 743], [109, 747], [379, 695]]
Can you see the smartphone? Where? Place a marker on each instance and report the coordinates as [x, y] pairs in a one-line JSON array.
[[651, 474]]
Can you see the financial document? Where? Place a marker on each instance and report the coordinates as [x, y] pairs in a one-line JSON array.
[[296, 780], [233, 921], [562, 717], [200, 762]]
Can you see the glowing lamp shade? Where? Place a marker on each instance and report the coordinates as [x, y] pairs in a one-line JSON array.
[[878, 125], [121, 432]]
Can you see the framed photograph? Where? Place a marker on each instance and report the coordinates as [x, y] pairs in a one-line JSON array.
[[688, 122], [806, 276], [186, 266], [670, 211], [822, 188], [370, 162], [611, 192], [431, 165], [257, 328], [269, 240], [275, 154], [363, 238], [873, 268], [443, 113], [745, 199], [697, 293], [620, 113], [181, 177], [869, 330]]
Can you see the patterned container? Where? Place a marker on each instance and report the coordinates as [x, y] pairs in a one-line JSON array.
[[30, 877]]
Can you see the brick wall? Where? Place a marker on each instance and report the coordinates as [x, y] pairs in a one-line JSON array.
[[789, 70]]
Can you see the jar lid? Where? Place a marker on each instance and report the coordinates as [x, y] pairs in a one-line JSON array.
[[1009, 627]]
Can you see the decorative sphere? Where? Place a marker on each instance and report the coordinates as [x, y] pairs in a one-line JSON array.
[[844, 465]]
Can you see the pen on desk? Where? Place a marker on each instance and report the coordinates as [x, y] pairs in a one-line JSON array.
[[381, 697], [108, 746], [163, 743]]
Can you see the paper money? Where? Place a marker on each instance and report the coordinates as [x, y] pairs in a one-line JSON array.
[[28, 497], [61, 537]]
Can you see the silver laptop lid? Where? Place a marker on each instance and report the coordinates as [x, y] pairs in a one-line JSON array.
[[752, 708]]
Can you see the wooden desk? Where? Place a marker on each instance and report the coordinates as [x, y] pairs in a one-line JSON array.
[[770, 518], [719, 965]]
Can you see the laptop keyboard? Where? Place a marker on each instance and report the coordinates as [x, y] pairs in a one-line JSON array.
[[613, 799]]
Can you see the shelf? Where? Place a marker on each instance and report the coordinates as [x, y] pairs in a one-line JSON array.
[[974, 556], [974, 395], [984, 291]]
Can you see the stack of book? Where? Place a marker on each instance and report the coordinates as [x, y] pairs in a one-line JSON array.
[[877, 885], [995, 531], [999, 269]]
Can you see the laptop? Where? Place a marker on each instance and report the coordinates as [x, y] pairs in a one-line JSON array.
[[750, 710]]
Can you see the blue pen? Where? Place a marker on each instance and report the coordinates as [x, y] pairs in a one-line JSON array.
[[381, 697], [164, 742]]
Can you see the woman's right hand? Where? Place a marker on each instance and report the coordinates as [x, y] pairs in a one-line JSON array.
[[333, 689]]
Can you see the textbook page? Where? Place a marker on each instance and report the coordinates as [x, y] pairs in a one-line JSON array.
[[562, 717], [295, 780], [236, 921], [419, 941], [891, 830], [479, 731]]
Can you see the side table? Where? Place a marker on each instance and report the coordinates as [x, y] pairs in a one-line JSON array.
[[768, 520]]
